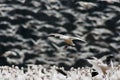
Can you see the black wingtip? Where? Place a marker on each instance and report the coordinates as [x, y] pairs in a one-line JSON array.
[[51, 35]]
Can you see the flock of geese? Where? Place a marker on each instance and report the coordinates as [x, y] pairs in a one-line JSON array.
[[98, 64]]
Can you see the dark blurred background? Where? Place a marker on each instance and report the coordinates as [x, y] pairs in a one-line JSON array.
[[25, 25]]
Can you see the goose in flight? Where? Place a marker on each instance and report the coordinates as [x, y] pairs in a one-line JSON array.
[[69, 40]]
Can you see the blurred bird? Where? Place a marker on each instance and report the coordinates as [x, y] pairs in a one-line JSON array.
[[99, 66], [12, 57], [69, 40]]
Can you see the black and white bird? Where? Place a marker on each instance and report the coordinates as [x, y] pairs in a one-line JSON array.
[[69, 40]]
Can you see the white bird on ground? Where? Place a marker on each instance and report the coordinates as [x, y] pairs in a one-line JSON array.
[[99, 66]]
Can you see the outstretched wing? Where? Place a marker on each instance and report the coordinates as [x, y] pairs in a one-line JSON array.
[[60, 36], [78, 39]]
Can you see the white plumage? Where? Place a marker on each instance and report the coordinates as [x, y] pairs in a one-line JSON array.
[[67, 39]]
